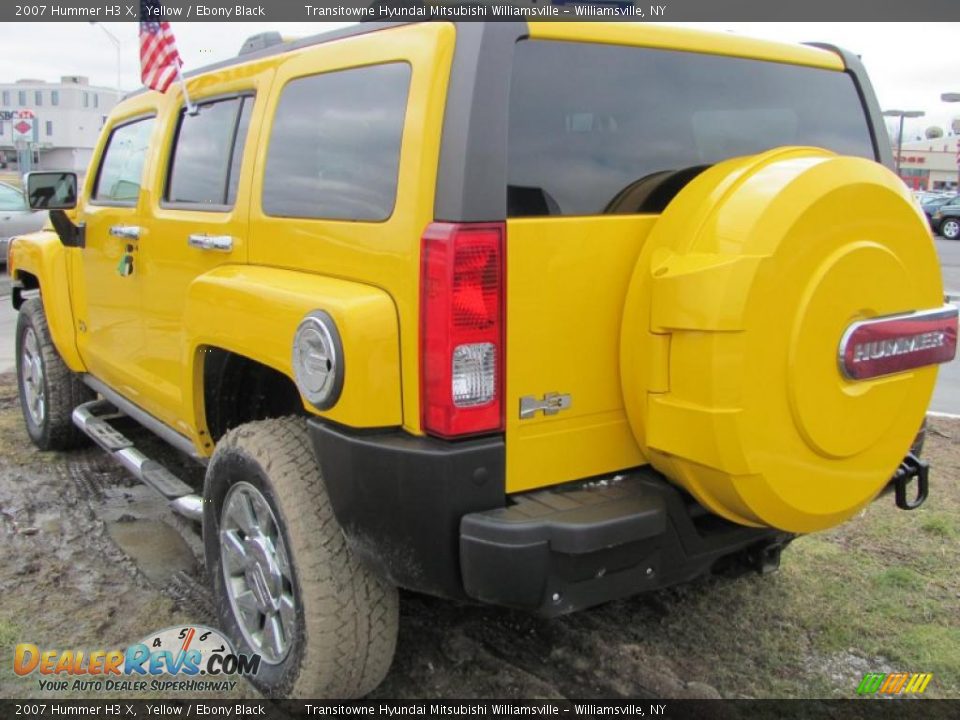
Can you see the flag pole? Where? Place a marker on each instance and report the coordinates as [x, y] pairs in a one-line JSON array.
[[191, 108]]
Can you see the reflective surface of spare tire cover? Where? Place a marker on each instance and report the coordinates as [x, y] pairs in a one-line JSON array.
[[732, 328]]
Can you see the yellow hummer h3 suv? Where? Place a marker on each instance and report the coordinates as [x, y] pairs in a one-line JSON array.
[[538, 315]]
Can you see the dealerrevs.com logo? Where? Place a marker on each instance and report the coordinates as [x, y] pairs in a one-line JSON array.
[[188, 659], [897, 683]]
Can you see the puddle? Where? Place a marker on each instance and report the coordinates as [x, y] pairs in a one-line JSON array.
[[49, 522], [158, 550]]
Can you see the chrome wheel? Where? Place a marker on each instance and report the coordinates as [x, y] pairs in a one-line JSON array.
[[257, 573], [31, 377], [950, 229]]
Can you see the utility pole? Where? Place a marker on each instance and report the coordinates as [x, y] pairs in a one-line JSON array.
[[951, 97], [902, 114], [116, 43]]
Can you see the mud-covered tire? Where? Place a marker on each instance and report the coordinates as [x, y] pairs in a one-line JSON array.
[[49, 391], [950, 228], [346, 616]]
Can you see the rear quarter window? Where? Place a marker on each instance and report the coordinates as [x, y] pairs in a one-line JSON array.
[[207, 151], [597, 129], [334, 148]]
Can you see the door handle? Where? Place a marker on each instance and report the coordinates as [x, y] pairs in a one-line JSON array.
[[125, 232], [221, 243]]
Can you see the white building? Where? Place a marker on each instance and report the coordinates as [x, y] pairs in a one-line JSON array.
[[930, 164], [67, 117]]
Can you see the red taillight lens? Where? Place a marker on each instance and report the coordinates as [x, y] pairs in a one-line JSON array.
[[461, 328]]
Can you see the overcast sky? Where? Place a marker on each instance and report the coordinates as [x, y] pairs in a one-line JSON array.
[[910, 64]]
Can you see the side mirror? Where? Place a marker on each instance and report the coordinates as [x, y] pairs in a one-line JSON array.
[[52, 190]]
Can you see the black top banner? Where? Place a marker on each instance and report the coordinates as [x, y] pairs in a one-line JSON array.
[[481, 10], [510, 709]]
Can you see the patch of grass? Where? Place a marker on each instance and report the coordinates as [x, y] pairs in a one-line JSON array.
[[940, 525], [9, 634], [931, 648], [876, 594], [898, 578]]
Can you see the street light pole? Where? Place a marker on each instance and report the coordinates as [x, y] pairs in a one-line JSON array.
[[116, 44], [902, 114], [950, 98], [899, 143]]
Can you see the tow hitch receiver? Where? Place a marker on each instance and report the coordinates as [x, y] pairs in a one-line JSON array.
[[765, 559], [911, 467]]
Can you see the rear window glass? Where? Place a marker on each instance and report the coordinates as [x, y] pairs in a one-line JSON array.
[[204, 168], [606, 129], [335, 145]]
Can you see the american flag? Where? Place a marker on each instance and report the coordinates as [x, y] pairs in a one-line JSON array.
[[159, 59]]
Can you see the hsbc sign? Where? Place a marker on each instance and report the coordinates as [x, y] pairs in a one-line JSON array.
[[11, 115], [23, 129], [22, 123]]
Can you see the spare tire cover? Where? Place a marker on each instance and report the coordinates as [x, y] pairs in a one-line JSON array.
[[732, 326]]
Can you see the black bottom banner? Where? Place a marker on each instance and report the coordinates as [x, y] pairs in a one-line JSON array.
[[671, 709]]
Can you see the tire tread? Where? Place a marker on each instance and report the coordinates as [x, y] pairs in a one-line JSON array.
[[350, 614], [64, 389]]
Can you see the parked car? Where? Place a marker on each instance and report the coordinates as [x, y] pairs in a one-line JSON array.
[[930, 205], [946, 219], [537, 315], [16, 217]]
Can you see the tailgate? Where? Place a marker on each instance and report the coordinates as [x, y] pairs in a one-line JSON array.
[[566, 282]]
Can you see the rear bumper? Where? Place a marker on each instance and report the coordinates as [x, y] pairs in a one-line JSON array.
[[433, 516], [399, 499], [567, 548]]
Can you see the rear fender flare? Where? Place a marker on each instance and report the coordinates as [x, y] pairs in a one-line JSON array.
[[255, 311]]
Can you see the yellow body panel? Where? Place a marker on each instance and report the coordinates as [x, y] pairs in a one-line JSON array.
[[385, 254], [754, 272], [42, 255], [144, 333], [106, 306], [168, 265], [566, 283], [703, 341], [682, 39], [566, 280], [254, 312]]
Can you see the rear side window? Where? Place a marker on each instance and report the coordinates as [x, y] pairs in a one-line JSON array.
[[334, 148], [205, 163], [121, 170], [599, 129]]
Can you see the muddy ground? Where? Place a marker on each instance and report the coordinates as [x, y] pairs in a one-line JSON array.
[[91, 559]]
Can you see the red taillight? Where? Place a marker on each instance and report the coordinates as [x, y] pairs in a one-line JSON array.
[[461, 328]]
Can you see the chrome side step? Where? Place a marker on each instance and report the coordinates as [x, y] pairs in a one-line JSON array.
[[93, 419], [155, 426]]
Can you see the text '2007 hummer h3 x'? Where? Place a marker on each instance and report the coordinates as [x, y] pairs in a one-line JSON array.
[[539, 315]]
